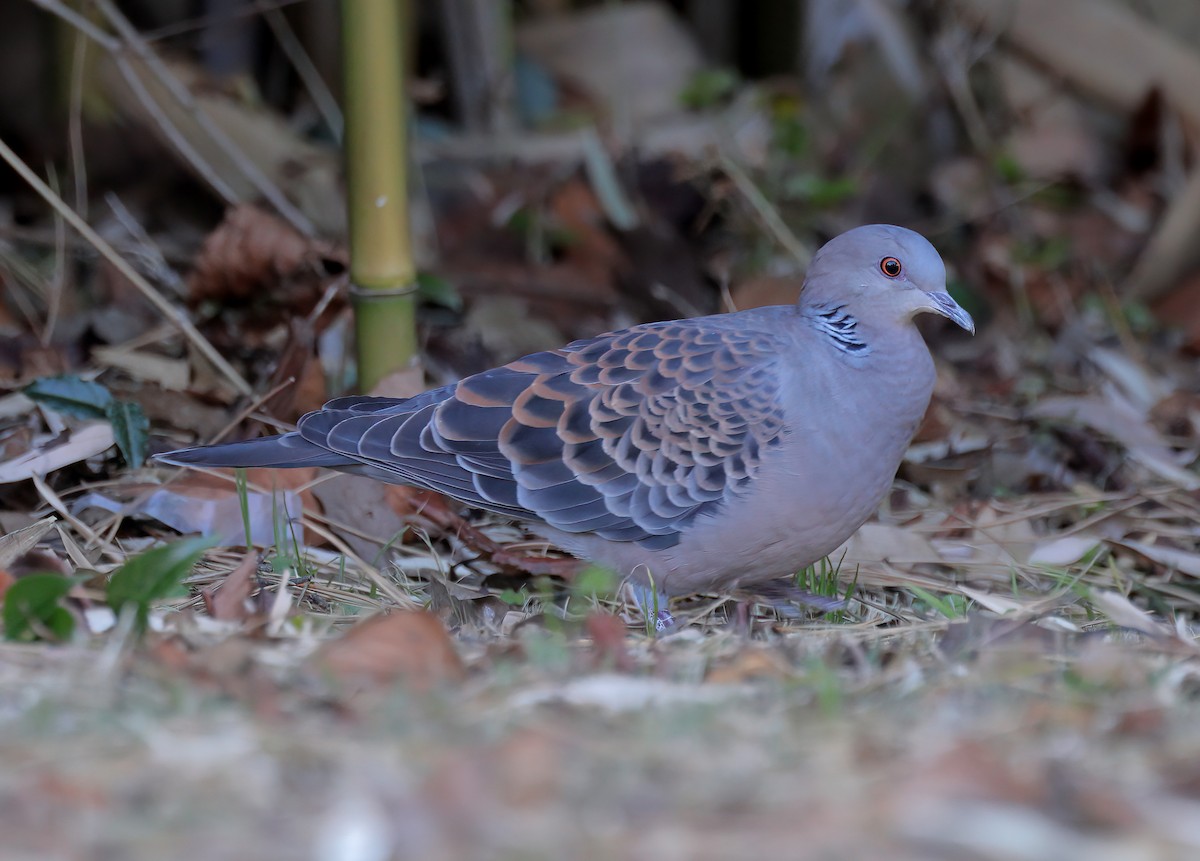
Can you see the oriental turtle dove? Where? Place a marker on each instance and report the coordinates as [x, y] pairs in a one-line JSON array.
[[690, 455]]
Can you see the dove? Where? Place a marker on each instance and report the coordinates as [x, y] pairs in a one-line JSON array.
[[700, 455]]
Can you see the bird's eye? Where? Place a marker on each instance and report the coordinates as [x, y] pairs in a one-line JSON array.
[[890, 267]]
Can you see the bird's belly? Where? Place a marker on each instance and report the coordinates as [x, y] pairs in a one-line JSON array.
[[788, 518], [784, 523]]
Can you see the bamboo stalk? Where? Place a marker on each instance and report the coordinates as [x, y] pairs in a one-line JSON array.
[[381, 264]]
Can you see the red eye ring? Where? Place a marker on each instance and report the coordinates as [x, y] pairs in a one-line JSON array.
[[890, 267]]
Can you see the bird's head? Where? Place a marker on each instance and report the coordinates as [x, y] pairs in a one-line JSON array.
[[882, 273]]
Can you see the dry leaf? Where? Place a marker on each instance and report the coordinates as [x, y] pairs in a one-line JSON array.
[[407, 646], [21, 541], [227, 600], [1002, 605], [1171, 558], [361, 505], [609, 649], [1122, 612], [254, 255], [879, 542], [84, 442], [747, 665], [1120, 421], [196, 503], [171, 374], [1063, 551]]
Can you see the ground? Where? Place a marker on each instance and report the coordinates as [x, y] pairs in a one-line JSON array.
[[1002, 663]]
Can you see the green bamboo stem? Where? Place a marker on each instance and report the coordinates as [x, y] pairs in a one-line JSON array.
[[381, 264]]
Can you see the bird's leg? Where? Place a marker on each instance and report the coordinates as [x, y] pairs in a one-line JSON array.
[[742, 622]]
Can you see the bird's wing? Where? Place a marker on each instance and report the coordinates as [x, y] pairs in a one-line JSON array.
[[628, 435]]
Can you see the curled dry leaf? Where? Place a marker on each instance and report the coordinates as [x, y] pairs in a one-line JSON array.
[[608, 634], [253, 254], [227, 600]]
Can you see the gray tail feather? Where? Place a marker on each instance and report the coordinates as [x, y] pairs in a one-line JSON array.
[[285, 450]]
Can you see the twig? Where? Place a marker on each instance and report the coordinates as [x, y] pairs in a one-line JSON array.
[[151, 254], [165, 124], [766, 212], [174, 136], [250, 408], [79, 22], [53, 500], [56, 285], [75, 125], [261, 182], [216, 134], [325, 103], [169, 311], [196, 23]]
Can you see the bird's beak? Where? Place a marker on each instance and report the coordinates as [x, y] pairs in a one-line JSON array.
[[947, 307]]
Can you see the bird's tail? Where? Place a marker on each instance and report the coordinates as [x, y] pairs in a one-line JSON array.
[[282, 451]]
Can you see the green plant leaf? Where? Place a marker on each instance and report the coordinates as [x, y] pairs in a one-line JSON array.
[[32, 607], [595, 581], [131, 431], [436, 290], [83, 399], [154, 575], [709, 87], [951, 606]]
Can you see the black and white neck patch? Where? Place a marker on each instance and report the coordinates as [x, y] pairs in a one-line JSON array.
[[841, 328]]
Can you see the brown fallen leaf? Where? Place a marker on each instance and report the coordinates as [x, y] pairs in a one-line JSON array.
[[227, 600], [411, 647], [299, 380], [253, 255], [749, 664], [608, 634], [360, 514]]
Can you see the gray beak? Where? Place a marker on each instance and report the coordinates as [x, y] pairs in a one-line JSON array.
[[947, 307]]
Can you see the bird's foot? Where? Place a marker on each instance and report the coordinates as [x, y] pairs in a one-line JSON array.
[[653, 606]]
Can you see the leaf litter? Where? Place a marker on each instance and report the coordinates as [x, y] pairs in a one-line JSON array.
[[1001, 665]]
